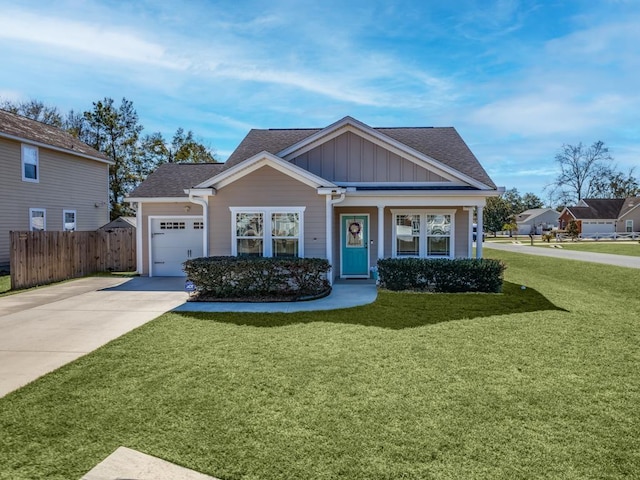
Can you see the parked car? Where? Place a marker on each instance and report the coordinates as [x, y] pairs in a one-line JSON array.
[[475, 233]]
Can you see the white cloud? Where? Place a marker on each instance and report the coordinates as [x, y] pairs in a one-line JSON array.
[[88, 38]]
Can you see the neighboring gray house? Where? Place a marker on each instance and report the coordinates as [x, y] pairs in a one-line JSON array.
[[120, 222], [50, 180], [536, 220], [348, 192]]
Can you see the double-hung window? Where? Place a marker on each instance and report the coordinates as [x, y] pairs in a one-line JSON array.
[[30, 164], [629, 226], [267, 231], [423, 233], [69, 220], [37, 219]]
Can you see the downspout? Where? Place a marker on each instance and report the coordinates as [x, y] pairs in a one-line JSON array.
[[204, 203], [330, 202]]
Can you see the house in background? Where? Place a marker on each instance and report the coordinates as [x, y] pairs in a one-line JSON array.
[[348, 192], [50, 180], [536, 220], [120, 222], [603, 216]]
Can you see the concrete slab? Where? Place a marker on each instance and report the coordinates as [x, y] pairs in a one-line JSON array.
[[43, 329], [343, 295], [129, 464]]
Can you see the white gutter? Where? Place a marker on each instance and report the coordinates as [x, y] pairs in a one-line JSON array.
[[330, 202]]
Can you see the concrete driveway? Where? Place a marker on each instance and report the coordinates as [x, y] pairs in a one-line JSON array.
[[43, 329]]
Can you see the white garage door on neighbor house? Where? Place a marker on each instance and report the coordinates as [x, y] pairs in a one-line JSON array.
[[597, 227], [173, 241]]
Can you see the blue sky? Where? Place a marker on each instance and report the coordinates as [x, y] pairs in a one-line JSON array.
[[516, 78]]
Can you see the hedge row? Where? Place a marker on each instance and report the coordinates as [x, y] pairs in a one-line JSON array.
[[441, 275], [258, 277]]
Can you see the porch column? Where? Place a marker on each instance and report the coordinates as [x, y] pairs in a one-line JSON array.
[[470, 235], [479, 234], [380, 232], [329, 235]]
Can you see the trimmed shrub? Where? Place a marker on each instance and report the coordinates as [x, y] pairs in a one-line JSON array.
[[441, 275], [258, 277]]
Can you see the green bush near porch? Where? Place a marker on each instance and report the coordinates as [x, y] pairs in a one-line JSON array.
[[441, 275], [258, 277]]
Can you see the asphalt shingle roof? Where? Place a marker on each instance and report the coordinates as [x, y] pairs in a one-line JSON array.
[[170, 179], [598, 208], [26, 129], [443, 144]]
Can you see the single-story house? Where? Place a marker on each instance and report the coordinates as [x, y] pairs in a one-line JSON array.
[[348, 192], [50, 180], [603, 216], [536, 220]]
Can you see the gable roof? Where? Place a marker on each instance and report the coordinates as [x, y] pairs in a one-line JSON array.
[[23, 129], [630, 203], [442, 144], [533, 213], [597, 208], [171, 179]]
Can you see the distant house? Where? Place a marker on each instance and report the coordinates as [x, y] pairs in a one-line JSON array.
[[120, 222], [536, 220], [349, 193], [50, 180], [603, 216]]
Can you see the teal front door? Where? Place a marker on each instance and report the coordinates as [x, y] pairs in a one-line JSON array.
[[354, 245]]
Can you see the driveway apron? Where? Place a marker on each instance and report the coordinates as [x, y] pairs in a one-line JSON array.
[[45, 328]]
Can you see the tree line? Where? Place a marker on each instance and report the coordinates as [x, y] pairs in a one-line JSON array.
[[115, 130]]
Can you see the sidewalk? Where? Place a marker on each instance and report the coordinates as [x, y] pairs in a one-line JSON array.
[[606, 258]]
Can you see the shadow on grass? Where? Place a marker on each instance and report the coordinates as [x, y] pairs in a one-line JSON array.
[[398, 310]]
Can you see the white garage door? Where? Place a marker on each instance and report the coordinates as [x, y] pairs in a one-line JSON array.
[[174, 240], [593, 227]]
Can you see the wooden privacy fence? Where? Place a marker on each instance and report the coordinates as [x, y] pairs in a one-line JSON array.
[[38, 258]]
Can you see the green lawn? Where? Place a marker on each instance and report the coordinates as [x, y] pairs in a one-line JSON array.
[[616, 248], [5, 283], [534, 383]]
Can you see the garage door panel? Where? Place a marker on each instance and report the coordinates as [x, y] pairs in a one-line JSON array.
[[173, 241]]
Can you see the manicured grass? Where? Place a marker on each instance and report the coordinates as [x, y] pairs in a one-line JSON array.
[[625, 247], [534, 383]]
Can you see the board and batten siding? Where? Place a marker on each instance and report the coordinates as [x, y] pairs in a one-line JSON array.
[[66, 182], [267, 187], [351, 158], [176, 209]]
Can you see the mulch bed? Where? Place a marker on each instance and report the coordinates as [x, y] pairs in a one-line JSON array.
[[204, 297]]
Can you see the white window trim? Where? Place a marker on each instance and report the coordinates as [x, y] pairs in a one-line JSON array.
[[75, 220], [266, 227], [31, 212], [23, 148], [423, 232], [628, 226]]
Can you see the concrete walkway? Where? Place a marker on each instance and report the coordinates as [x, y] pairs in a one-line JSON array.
[[345, 294], [606, 258], [45, 328]]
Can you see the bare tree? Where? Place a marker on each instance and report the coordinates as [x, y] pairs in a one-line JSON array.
[[35, 110], [580, 169]]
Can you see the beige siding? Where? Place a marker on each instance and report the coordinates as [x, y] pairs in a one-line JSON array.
[[66, 182], [267, 187], [632, 215], [351, 158], [162, 209]]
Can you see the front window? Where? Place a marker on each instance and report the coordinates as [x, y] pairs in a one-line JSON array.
[[30, 164], [423, 233], [37, 219], [69, 220], [268, 232], [629, 226]]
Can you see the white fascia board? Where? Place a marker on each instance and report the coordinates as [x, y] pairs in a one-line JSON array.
[[200, 192], [57, 149], [415, 201], [260, 160], [156, 199], [628, 211], [331, 191], [566, 209], [352, 125]]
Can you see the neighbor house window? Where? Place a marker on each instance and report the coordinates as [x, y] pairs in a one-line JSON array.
[[267, 232], [30, 164], [69, 220], [37, 219], [629, 226], [423, 233]]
